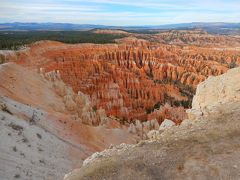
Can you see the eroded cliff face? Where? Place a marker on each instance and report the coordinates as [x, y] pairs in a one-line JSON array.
[[205, 146], [134, 78]]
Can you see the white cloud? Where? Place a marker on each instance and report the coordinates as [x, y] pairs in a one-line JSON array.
[[101, 11]]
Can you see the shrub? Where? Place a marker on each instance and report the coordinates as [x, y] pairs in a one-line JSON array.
[[233, 64], [157, 105], [2, 59], [94, 108], [15, 127], [149, 110], [4, 108]]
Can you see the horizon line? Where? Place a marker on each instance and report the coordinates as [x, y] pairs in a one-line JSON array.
[[196, 22]]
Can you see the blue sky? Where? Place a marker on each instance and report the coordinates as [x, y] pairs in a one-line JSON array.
[[120, 12]]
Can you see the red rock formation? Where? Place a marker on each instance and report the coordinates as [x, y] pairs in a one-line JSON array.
[[128, 79]]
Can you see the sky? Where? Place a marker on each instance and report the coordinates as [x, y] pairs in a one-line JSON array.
[[120, 12]]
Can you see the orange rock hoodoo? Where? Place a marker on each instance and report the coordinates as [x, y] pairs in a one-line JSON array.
[[132, 78]]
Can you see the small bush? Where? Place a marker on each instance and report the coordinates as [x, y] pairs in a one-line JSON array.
[[233, 64], [149, 110], [42, 161], [157, 105], [15, 149], [17, 176], [2, 59], [123, 120], [94, 108], [25, 140], [39, 136], [4, 108], [15, 127]]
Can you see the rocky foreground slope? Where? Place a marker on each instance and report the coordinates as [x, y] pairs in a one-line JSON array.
[[205, 146], [45, 128]]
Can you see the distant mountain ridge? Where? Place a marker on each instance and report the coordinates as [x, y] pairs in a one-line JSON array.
[[217, 27], [69, 26], [47, 26]]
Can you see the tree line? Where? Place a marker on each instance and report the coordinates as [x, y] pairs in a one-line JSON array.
[[13, 40]]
